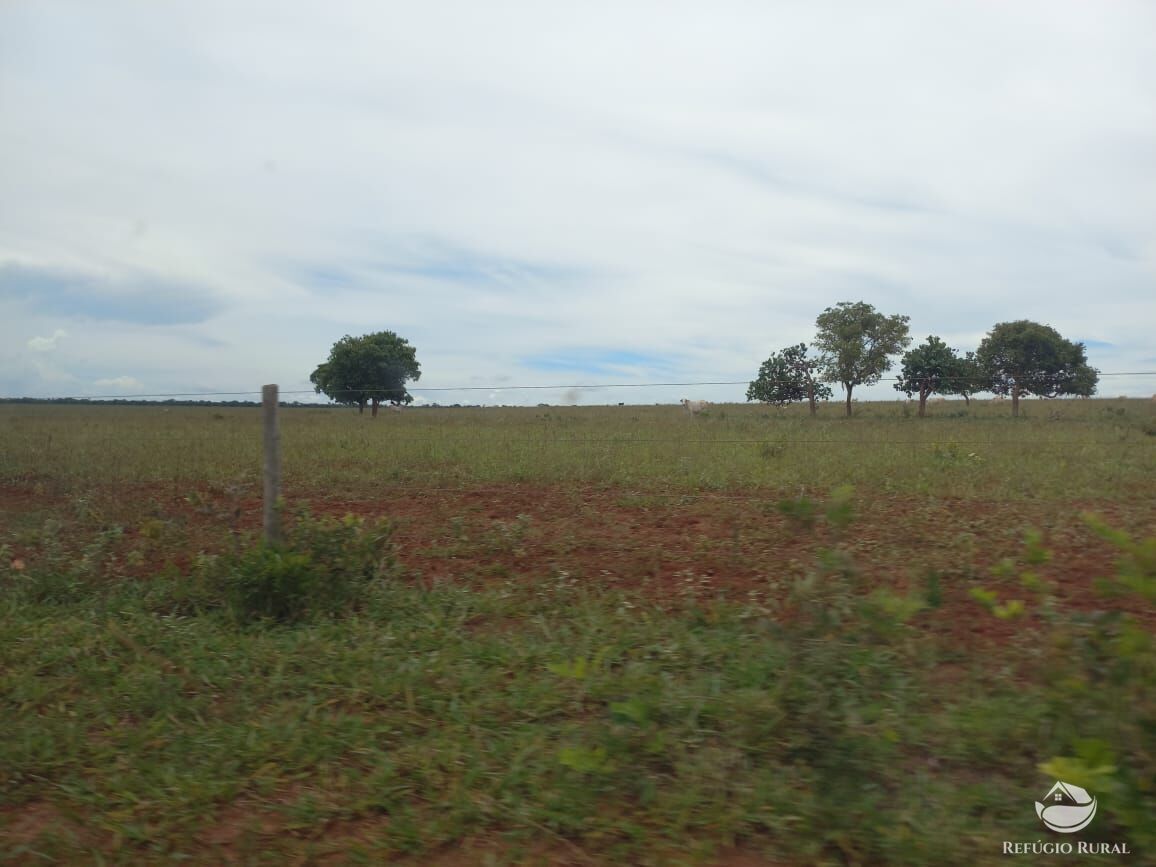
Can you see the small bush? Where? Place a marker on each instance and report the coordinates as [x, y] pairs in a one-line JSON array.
[[324, 567], [1102, 693]]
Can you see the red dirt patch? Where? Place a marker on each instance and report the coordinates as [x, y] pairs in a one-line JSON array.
[[676, 547]]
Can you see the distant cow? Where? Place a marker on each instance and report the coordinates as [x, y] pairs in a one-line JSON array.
[[694, 407], [394, 407]]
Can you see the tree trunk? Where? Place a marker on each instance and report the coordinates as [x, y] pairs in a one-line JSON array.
[[811, 396], [375, 402], [848, 386], [922, 404], [1016, 400], [361, 407], [966, 399]]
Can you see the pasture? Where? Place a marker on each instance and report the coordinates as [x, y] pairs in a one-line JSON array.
[[598, 635]]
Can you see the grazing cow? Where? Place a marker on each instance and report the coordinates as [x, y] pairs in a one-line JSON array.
[[395, 407], [694, 407]]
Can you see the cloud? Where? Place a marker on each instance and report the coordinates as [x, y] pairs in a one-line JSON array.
[[632, 191], [129, 296], [604, 362], [46, 344], [124, 383]]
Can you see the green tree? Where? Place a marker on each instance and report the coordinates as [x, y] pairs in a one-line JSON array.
[[967, 379], [857, 341], [928, 369], [788, 376], [1025, 357], [369, 369]]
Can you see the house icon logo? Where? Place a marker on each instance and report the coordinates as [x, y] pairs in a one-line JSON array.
[[1066, 808]]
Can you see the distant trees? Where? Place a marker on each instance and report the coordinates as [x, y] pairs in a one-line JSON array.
[[1025, 357], [930, 368], [787, 376], [857, 342], [369, 369]]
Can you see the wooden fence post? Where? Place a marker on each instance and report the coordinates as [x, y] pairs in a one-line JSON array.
[[272, 465]]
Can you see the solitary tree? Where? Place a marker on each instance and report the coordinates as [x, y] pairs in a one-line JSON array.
[[930, 368], [788, 376], [368, 369], [857, 340], [1025, 357]]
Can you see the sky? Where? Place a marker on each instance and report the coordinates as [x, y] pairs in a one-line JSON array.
[[204, 196]]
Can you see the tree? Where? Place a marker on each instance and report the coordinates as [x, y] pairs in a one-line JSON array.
[[857, 340], [967, 379], [788, 376], [1025, 357], [368, 369], [927, 369]]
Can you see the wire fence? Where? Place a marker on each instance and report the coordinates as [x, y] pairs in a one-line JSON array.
[[375, 389]]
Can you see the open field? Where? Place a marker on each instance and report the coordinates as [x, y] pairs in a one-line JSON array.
[[597, 635], [1060, 449]]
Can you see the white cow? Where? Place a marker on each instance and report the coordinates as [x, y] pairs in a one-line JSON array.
[[694, 407], [394, 407]]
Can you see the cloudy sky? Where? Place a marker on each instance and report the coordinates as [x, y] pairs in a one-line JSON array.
[[204, 196]]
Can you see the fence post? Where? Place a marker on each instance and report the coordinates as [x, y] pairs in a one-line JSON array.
[[272, 492]]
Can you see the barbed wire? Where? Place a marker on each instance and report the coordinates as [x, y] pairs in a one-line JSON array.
[[373, 389]]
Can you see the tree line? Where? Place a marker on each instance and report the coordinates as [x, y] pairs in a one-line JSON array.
[[854, 345]]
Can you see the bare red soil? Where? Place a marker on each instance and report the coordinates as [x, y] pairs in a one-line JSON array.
[[673, 547]]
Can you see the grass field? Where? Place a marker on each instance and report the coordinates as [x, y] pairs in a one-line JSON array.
[[614, 635]]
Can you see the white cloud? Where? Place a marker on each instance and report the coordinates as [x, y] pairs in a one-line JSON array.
[[125, 383], [512, 180], [46, 344]]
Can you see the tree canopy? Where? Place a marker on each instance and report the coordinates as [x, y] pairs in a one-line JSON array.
[[930, 368], [369, 369], [857, 341], [1025, 357], [967, 380], [788, 376]]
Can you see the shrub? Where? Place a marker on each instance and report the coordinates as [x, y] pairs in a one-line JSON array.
[[324, 567], [1102, 693]]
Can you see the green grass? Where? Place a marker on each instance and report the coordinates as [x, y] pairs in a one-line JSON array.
[[518, 713], [823, 719], [1059, 450]]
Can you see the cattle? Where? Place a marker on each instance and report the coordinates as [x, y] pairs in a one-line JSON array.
[[394, 407], [694, 407], [939, 400]]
